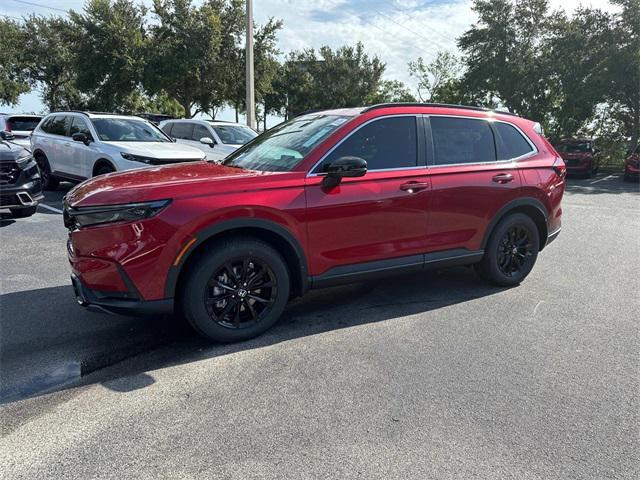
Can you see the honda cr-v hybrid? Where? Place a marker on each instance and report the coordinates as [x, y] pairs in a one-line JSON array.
[[79, 145], [327, 198]]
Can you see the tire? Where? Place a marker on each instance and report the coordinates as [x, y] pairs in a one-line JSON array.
[[501, 265], [49, 181], [216, 301], [23, 212], [104, 169]]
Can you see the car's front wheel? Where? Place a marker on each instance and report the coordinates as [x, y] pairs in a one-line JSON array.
[[235, 290], [511, 251]]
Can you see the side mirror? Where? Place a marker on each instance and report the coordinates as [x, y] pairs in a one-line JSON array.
[[344, 167], [208, 141], [81, 137], [4, 135]]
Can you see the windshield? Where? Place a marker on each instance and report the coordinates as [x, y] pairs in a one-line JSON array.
[[574, 147], [127, 130], [234, 134], [283, 147]]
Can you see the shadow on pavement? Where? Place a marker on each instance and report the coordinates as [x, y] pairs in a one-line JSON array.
[[48, 342], [605, 183]]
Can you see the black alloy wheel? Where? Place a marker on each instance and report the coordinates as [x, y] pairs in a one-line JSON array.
[[515, 250], [49, 182], [511, 251], [241, 293], [234, 289]]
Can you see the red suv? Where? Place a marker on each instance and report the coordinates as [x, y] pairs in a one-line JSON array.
[[580, 156], [632, 165], [327, 198]]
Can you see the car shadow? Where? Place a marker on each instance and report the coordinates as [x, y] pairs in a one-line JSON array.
[[6, 219], [97, 344], [606, 183]]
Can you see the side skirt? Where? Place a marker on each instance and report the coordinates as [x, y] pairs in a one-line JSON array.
[[360, 272]]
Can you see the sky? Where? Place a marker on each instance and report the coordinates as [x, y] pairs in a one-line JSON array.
[[397, 31]]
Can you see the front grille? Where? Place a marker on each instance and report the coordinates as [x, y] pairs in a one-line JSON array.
[[9, 173]]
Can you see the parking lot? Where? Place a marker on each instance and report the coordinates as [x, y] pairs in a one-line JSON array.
[[431, 376]]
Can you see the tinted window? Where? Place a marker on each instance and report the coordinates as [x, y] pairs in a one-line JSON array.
[[182, 130], [23, 123], [234, 134], [385, 143], [461, 140], [46, 125], [60, 125], [200, 132], [510, 142], [78, 125], [167, 128]]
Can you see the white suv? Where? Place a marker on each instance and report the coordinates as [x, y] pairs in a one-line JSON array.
[[19, 126], [80, 145], [215, 138]]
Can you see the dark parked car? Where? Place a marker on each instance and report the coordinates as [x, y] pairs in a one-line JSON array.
[[20, 186], [327, 198], [632, 165], [580, 156]]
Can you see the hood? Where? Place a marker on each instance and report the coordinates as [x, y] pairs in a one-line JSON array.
[[169, 181], [10, 151], [159, 150]]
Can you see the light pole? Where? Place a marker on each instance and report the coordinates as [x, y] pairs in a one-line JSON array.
[[251, 101]]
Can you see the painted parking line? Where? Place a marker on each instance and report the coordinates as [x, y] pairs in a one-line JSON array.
[[604, 178], [52, 209]]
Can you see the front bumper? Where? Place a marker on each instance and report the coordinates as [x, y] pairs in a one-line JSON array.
[[24, 191], [118, 303]]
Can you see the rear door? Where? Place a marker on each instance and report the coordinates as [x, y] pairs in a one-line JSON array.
[[59, 144], [473, 170], [380, 216]]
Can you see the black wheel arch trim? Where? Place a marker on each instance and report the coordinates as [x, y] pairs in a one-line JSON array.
[[228, 226], [514, 205], [101, 161]]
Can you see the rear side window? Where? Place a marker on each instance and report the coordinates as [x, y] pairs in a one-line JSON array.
[[183, 131], [510, 142], [385, 143], [461, 140], [60, 125]]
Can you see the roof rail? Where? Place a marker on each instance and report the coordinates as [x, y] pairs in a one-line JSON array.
[[439, 105]]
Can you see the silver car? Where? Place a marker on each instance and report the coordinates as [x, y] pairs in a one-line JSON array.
[[20, 127], [215, 138]]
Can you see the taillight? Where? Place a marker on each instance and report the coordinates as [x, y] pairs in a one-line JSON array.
[[559, 167], [7, 127]]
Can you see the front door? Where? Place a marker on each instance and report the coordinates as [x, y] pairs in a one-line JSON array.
[[380, 216]]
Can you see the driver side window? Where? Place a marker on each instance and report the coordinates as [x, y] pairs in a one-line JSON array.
[[385, 143]]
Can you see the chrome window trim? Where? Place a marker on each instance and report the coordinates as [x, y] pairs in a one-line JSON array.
[[322, 159], [533, 152]]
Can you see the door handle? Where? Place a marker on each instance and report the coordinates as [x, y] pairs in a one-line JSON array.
[[413, 186], [503, 178]]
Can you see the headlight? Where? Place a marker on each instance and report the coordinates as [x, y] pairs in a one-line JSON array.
[[130, 212], [24, 159], [137, 158]]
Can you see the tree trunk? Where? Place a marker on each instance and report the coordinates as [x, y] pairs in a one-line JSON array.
[[236, 109], [264, 122]]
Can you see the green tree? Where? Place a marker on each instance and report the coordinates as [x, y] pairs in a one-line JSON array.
[[623, 69], [438, 80], [183, 55], [346, 77], [391, 91], [109, 45], [505, 65], [13, 75], [50, 59]]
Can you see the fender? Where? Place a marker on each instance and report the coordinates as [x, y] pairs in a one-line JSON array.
[[222, 227], [102, 160], [520, 202]]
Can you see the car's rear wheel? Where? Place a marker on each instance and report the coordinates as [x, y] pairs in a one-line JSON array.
[[511, 251], [49, 181], [23, 212], [236, 290]]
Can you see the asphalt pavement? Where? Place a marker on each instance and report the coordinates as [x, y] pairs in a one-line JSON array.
[[432, 376]]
